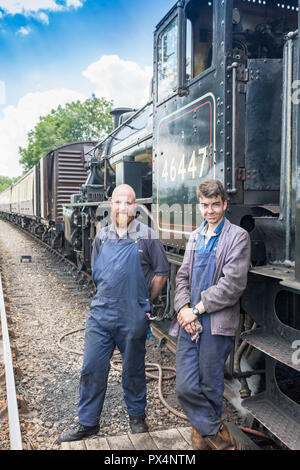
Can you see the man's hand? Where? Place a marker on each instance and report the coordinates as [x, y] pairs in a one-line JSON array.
[[190, 328], [157, 285], [186, 319]]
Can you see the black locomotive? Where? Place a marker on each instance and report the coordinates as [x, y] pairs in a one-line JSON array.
[[224, 104]]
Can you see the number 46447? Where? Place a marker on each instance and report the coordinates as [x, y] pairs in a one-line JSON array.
[[186, 169]]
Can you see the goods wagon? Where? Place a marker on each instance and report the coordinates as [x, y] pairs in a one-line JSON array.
[[23, 194], [36, 200], [5, 200]]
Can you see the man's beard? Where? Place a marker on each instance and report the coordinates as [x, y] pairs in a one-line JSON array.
[[122, 220]]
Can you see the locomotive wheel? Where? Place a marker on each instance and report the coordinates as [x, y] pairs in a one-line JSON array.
[[45, 237], [56, 243]]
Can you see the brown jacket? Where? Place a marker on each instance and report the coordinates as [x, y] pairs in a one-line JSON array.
[[221, 300]]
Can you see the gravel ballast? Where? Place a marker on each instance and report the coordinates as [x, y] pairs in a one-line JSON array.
[[45, 303]]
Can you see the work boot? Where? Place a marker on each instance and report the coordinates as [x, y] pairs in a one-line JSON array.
[[79, 432], [222, 441], [138, 424], [197, 441]]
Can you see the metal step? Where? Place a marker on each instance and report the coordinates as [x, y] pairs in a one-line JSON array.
[[276, 411], [283, 425], [273, 344]]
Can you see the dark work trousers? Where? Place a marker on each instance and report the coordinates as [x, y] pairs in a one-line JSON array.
[[200, 365], [117, 317]]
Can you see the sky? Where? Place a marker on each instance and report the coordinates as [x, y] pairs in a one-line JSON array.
[[57, 51]]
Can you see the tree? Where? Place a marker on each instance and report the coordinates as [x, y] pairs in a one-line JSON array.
[[90, 120], [5, 182]]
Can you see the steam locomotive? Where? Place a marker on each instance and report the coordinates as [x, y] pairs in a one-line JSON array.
[[223, 104]]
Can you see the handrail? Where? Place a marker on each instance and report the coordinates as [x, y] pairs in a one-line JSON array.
[[233, 67], [138, 111]]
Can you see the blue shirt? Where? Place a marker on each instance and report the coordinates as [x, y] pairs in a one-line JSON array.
[[212, 243]]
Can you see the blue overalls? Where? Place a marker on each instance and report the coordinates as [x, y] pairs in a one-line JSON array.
[[200, 366], [117, 317]]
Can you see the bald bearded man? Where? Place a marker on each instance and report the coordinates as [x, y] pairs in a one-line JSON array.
[[129, 270]]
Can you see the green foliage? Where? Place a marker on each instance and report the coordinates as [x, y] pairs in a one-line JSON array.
[[5, 182], [90, 120]]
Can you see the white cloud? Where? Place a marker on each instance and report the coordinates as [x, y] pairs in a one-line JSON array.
[[43, 17], [74, 3], [27, 7], [123, 81], [20, 119], [24, 31]]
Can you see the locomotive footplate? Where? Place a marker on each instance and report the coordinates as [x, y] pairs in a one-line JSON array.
[[272, 299]]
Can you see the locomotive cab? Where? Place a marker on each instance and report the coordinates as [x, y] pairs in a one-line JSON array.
[[218, 73]]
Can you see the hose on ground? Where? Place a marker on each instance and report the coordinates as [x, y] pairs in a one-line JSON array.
[[149, 367]]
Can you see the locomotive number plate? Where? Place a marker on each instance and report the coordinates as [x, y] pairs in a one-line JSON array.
[[186, 155]]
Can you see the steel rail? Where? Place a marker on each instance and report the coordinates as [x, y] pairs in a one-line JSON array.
[[12, 404]]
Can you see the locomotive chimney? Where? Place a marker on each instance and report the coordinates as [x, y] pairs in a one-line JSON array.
[[117, 112]]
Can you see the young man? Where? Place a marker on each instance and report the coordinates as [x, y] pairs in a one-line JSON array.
[[209, 284], [126, 255]]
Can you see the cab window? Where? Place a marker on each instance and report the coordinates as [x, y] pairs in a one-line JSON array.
[[167, 69], [199, 37], [258, 28]]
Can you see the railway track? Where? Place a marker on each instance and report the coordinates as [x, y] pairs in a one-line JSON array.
[[57, 254], [11, 405], [83, 275], [48, 299]]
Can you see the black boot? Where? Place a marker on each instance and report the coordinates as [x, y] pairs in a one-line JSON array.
[[79, 432], [138, 424]]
